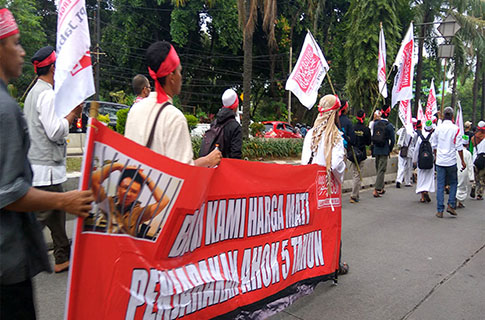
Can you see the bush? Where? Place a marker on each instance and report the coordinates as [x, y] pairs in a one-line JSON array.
[[104, 119], [191, 121], [256, 129], [257, 148], [121, 120]]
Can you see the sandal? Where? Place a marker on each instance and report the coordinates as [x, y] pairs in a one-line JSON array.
[[426, 196], [343, 268], [422, 200], [376, 194]]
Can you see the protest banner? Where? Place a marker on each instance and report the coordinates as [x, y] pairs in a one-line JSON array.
[[309, 72], [74, 72], [217, 242], [431, 105], [420, 116], [405, 114], [381, 65]]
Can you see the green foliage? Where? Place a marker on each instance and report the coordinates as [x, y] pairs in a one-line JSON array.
[[261, 148], [121, 116], [121, 97], [103, 118], [256, 129], [191, 121]]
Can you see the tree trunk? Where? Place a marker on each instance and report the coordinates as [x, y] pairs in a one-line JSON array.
[[455, 89], [247, 73], [475, 89]]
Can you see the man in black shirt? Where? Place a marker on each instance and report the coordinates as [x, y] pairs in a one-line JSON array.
[[362, 139]]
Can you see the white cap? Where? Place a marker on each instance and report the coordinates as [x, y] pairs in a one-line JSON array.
[[413, 120], [229, 99], [481, 124]]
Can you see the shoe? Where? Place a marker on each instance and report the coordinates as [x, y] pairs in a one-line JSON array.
[[376, 194], [354, 200], [398, 185], [479, 197], [381, 192], [343, 268], [439, 214], [409, 185], [426, 196], [472, 192], [422, 200], [58, 268], [447, 189], [451, 210], [460, 205]]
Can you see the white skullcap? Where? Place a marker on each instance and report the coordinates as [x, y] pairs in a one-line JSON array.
[[230, 99]]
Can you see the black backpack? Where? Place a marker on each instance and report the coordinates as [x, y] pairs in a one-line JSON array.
[[425, 156], [379, 138], [213, 136]]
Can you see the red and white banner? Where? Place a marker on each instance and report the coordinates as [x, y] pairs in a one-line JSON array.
[[74, 73], [166, 240], [420, 115], [431, 105], [309, 72], [459, 120], [381, 65], [403, 82], [405, 114]]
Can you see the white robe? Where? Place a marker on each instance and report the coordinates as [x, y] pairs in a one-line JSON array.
[[338, 155], [405, 165], [426, 180], [465, 176]]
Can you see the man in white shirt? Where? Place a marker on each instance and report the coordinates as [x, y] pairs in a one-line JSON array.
[[478, 142], [47, 153], [445, 141], [406, 150]]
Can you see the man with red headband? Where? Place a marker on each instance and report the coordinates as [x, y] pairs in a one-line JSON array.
[[478, 142], [23, 252], [230, 142], [362, 139], [154, 121], [47, 152], [383, 142]]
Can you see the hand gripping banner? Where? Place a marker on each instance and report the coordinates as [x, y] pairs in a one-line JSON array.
[[166, 240]]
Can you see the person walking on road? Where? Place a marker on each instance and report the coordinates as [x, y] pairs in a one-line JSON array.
[[362, 139], [23, 252], [383, 141], [405, 161], [425, 173], [47, 152], [478, 141], [446, 141], [465, 175]]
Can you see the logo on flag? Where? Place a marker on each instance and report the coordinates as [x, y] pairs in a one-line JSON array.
[[431, 105], [405, 114], [74, 73], [403, 82], [310, 69], [381, 65]]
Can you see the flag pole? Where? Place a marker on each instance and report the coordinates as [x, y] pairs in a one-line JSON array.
[[380, 93], [330, 82]]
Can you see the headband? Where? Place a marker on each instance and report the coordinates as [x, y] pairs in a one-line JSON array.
[[234, 105], [46, 62], [334, 107], [387, 111], [361, 119], [481, 128], [170, 63], [346, 105], [8, 26]]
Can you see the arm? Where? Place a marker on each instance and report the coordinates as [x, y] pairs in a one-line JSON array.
[[393, 138], [75, 202], [155, 208], [210, 160], [236, 143], [98, 176], [463, 164], [55, 128]]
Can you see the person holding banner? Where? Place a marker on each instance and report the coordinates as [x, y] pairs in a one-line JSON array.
[[446, 141], [47, 152], [383, 141], [23, 252], [155, 122]]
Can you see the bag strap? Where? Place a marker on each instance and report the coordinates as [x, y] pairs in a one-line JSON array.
[[152, 132]]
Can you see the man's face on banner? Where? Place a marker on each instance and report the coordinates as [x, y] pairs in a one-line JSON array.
[[131, 194]]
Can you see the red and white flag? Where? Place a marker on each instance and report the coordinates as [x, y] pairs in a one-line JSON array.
[[405, 114], [381, 65], [403, 82], [420, 115], [459, 120], [73, 79], [431, 106], [309, 72]]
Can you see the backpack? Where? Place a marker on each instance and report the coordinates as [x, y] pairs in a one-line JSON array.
[[480, 161], [213, 136], [425, 156], [379, 138]]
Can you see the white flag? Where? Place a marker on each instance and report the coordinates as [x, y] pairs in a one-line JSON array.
[[420, 115], [381, 65], [459, 121], [405, 114], [309, 72], [403, 82], [431, 106], [73, 79]]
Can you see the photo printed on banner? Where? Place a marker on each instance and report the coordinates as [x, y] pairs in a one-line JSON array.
[[131, 198]]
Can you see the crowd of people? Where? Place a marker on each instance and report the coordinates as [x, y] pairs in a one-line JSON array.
[[33, 158]]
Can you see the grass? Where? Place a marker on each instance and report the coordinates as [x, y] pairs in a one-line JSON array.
[[73, 164]]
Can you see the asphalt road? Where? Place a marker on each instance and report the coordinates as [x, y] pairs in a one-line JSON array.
[[404, 264]]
